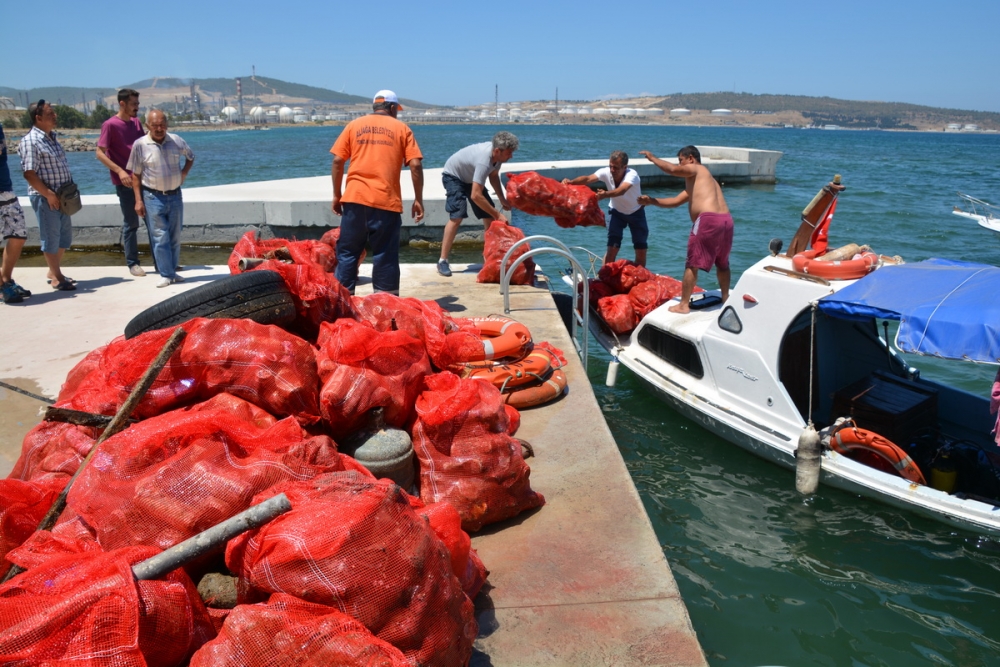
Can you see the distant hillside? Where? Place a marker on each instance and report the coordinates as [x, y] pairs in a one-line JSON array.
[[827, 110], [67, 95], [219, 86], [227, 88]]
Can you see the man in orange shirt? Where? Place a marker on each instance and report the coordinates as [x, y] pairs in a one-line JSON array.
[[377, 146]]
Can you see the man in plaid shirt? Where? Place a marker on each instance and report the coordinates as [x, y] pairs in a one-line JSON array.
[[46, 170]]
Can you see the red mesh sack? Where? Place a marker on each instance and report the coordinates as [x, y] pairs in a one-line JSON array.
[[499, 239], [260, 363], [465, 562], [570, 205], [317, 253], [424, 320], [466, 457], [623, 274], [67, 537], [598, 290], [87, 609], [170, 477], [82, 369], [22, 506], [53, 449], [330, 237], [237, 408], [362, 369], [288, 632], [318, 296], [513, 419], [651, 294], [354, 543], [618, 313]]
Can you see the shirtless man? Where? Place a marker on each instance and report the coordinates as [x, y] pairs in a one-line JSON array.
[[711, 236]]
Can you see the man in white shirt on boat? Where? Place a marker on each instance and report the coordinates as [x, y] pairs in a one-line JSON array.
[[711, 237], [624, 210]]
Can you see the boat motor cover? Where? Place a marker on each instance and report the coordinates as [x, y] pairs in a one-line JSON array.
[[946, 308]]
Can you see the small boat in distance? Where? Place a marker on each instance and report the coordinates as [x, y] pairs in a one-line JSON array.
[[987, 215]]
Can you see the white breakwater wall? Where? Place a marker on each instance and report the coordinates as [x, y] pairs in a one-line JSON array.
[[300, 207]]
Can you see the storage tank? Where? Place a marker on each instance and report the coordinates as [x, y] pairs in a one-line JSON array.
[[628, 112], [721, 112], [300, 118], [585, 110], [680, 112], [650, 112], [286, 115], [602, 111], [230, 113], [257, 114]]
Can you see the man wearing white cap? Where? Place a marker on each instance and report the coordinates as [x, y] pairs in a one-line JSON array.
[[377, 146]]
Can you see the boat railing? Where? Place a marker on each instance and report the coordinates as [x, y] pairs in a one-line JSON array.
[[979, 207], [579, 318]]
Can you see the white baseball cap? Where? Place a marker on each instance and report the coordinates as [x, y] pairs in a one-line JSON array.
[[386, 96]]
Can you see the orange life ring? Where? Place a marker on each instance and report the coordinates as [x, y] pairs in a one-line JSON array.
[[507, 376], [853, 440], [847, 269], [502, 338], [538, 394]]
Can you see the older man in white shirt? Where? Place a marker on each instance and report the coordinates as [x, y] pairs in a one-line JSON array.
[[155, 163]]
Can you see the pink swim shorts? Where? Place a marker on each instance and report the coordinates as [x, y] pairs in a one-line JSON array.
[[710, 241]]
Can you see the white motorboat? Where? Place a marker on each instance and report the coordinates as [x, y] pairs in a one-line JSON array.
[[789, 349], [986, 214]]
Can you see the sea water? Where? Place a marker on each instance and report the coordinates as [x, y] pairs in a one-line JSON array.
[[768, 578]]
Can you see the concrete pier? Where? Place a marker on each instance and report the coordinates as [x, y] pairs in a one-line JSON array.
[[581, 581], [300, 207]]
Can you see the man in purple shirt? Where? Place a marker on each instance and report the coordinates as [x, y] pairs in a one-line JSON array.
[[113, 150]]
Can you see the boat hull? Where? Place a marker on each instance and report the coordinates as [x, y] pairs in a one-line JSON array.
[[742, 397]]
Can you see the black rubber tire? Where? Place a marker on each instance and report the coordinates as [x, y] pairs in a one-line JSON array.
[[261, 296]]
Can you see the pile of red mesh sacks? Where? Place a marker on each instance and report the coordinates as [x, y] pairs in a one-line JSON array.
[[570, 205], [358, 572], [625, 292]]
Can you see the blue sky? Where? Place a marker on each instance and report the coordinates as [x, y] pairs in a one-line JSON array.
[[939, 54]]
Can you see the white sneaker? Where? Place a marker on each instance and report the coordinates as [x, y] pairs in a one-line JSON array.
[[164, 282], [137, 271]]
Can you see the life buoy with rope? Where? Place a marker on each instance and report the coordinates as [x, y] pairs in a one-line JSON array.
[[502, 338], [847, 269], [872, 449], [509, 375], [538, 394]]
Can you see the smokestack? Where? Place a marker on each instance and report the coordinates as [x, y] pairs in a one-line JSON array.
[[239, 95]]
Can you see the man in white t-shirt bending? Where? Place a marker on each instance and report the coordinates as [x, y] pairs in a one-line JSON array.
[[624, 210], [464, 177]]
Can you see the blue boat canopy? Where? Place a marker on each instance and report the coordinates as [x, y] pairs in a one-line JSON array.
[[945, 308]]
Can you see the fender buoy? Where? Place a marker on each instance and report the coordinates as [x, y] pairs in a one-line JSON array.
[[507, 376], [502, 337], [848, 269], [852, 441], [538, 394]]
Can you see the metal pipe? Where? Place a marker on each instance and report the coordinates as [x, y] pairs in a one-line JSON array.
[[211, 539]]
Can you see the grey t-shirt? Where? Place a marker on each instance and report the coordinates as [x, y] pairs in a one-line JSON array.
[[472, 164]]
